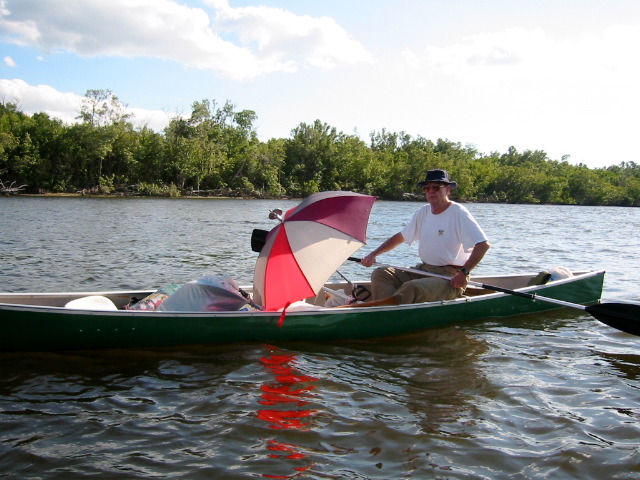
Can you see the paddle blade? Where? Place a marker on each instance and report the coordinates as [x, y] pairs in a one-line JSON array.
[[623, 316]]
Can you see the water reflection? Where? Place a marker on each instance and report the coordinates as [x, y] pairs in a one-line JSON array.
[[628, 364], [289, 390], [391, 409], [441, 392]]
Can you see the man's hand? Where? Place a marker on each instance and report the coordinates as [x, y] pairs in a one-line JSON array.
[[459, 280], [368, 260]]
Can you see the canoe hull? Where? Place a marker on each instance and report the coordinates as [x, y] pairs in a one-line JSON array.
[[42, 328]]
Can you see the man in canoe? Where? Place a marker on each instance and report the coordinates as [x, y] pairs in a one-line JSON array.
[[450, 242]]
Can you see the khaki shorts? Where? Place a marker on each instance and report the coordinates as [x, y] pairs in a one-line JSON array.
[[410, 287]]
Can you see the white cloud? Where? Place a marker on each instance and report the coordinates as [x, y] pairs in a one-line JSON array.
[[41, 98], [280, 34], [9, 62], [270, 39], [66, 106], [530, 58], [535, 91]]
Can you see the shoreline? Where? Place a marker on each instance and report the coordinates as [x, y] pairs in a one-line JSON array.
[[107, 195]]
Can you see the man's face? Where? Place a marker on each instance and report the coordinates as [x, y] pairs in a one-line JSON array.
[[435, 191]]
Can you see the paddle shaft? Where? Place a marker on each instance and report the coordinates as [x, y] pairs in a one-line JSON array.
[[622, 316], [530, 296]]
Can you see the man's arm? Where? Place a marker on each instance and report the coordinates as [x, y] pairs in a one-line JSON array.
[[460, 279], [387, 245]]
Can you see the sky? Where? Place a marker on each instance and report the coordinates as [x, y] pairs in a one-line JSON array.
[[561, 76]]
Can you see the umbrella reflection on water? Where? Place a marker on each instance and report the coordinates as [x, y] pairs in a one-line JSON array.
[[290, 389]]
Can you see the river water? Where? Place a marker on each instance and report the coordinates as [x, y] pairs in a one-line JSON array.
[[547, 396]]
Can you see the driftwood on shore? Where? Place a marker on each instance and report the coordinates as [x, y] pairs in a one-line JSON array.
[[11, 189]]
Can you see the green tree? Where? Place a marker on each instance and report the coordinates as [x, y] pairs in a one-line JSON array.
[[309, 159], [265, 171], [216, 147]]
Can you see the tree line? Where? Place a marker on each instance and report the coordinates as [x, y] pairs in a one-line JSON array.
[[216, 151]]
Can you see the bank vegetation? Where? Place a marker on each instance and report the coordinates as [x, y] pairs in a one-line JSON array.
[[215, 151]]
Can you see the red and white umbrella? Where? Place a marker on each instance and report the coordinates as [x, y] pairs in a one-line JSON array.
[[307, 247]]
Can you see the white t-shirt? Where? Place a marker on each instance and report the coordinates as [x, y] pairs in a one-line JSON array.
[[444, 239]]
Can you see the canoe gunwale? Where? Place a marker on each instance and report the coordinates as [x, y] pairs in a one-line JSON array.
[[35, 308], [48, 328]]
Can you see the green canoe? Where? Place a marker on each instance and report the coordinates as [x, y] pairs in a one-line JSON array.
[[40, 321]]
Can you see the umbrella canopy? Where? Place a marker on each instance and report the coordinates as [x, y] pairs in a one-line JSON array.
[[307, 247]]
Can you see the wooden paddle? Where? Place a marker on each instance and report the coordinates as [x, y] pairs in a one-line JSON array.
[[622, 316]]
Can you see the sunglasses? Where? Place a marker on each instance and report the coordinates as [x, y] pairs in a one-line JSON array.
[[433, 188]]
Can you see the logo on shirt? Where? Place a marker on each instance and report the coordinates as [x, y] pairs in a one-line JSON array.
[[440, 233]]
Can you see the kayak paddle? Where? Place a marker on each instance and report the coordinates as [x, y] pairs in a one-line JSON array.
[[622, 316]]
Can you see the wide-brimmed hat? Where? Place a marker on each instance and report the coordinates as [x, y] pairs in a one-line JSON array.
[[440, 176]]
